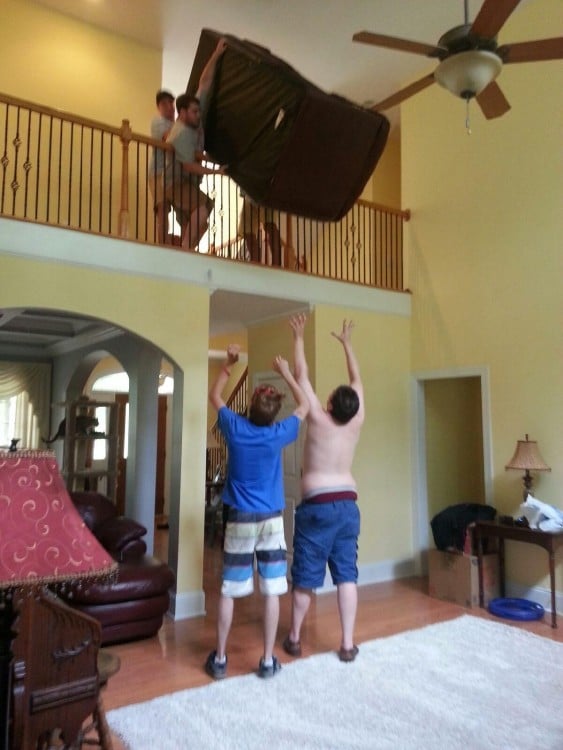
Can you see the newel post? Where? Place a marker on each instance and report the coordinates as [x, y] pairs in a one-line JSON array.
[[125, 136]]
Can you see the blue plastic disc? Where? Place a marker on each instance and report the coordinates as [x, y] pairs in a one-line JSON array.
[[516, 609]]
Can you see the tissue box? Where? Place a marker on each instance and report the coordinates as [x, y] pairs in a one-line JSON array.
[[454, 577]]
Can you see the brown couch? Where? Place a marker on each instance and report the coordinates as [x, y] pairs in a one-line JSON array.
[[133, 606]]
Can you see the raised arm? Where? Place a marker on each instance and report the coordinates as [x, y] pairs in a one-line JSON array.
[[206, 77], [302, 409], [297, 323], [345, 338], [218, 386]]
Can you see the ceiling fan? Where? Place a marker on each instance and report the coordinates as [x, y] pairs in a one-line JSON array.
[[470, 58]]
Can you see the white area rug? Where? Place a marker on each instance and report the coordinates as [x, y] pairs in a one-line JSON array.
[[468, 684]]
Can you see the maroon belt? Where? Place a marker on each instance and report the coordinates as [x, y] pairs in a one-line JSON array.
[[331, 497]]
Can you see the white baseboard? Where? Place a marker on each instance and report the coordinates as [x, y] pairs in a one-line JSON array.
[[189, 604], [535, 594], [386, 570], [192, 603]]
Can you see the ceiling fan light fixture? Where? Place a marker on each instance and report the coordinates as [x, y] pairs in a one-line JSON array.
[[466, 74]]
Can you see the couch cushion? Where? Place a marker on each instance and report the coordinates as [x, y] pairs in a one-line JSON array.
[[142, 626], [94, 508], [136, 580], [127, 612], [114, 534]]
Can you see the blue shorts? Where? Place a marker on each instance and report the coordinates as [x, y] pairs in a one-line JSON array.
[[325, 533]]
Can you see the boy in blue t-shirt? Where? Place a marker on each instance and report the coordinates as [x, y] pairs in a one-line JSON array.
[[254, 493]]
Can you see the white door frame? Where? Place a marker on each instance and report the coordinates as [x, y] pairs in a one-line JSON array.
[[421, 522]]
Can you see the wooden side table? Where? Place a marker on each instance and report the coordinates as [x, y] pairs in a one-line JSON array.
[[108, 665], [550, 541]]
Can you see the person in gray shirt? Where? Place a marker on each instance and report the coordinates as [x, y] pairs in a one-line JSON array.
[[161, 125], [184, 168]]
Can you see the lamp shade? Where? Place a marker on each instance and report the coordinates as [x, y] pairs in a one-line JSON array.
[[527, 456], [466, 74], [43, 539]]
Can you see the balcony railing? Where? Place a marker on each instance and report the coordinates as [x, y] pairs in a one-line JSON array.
[[61, 169]]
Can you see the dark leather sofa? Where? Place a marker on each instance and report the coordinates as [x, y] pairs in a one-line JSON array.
[[132, 606]]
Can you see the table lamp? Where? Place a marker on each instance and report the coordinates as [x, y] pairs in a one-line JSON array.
[[527, 458], [43, 541]]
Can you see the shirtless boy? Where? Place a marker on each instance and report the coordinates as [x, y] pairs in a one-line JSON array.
[[327, 522]]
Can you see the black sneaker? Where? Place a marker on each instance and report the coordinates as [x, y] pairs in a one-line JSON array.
[[214, 669], [268, 671]]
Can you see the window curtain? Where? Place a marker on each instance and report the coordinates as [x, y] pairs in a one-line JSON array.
[[30, 384]]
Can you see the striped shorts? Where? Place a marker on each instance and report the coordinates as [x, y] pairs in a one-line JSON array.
[[247, 535]]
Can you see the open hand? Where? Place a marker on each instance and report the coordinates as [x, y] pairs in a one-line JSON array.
[[281, 365], [233, 353], [345, 335], [297, 323]]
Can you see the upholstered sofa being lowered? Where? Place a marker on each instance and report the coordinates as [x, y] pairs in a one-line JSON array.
[[133, 606]]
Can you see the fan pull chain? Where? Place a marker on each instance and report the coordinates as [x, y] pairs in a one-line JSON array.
[[467, 119]]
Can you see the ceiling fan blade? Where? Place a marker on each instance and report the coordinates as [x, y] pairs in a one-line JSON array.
[[533, 51], [492, 17], [403, 94], [393, 42], [492, 101]]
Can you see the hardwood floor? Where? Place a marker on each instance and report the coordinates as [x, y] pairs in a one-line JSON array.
[[174, 659]]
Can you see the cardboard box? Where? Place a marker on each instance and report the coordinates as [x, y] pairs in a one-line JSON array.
[[454, 577]]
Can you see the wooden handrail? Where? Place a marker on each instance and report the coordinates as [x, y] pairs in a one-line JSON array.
[[78, 120], [51, 112], [403, 213]]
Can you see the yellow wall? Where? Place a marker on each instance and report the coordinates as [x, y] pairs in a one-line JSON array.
[[454, 442], [484, 253], [382, 463], [265, 342], [51, 59], [384, 186], [269, 339], [180, 328], [222, 341]]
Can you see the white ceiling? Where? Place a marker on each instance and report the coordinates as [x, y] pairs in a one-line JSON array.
[[314, 36]]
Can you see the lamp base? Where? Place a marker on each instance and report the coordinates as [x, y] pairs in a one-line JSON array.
[[527, 482]]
